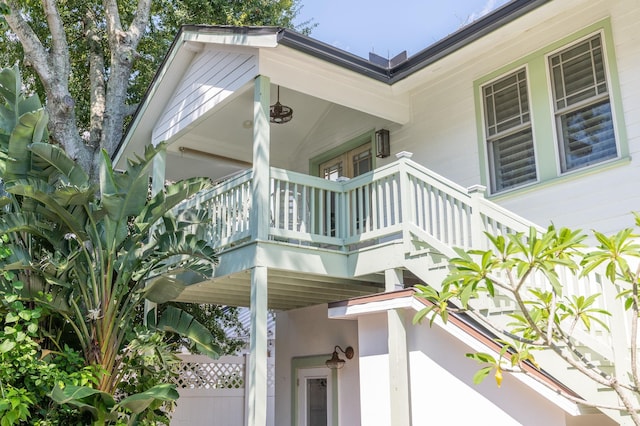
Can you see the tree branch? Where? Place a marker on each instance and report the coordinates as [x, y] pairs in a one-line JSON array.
[[34, 52], [139, 24], [97, 79], [60, 49]]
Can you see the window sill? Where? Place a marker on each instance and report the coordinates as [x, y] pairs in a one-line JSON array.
[[569, 176]]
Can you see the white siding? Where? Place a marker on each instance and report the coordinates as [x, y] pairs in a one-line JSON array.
[[213, 76], [443, 132]]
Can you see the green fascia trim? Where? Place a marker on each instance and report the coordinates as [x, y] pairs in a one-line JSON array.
[[542, 116], [313, 361], [566, 177], [314, 163]]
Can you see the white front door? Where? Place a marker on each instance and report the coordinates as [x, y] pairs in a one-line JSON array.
[[315, 397]]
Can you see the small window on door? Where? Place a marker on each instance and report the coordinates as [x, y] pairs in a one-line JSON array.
[[349, 164], [315, 396]]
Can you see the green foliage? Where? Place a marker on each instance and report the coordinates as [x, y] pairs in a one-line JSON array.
[[167, 16], [79, 259], [529, 270], [27, 371]]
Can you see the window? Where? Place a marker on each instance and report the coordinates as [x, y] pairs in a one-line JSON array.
[[349, 164], [551, 113], [583, 110], [508, 132]]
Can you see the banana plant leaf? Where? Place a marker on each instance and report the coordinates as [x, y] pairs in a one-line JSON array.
[[178, 321]]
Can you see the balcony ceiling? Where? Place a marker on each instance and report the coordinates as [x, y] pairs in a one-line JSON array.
[[227, 132], [286, 289]]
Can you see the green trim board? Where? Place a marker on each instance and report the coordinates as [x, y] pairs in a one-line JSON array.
[[314, 163], [543, 116], [312, 361]]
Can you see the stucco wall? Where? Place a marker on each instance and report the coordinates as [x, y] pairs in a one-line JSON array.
[[307, 332]]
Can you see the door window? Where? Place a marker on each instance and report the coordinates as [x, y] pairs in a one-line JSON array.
[[314, 397]]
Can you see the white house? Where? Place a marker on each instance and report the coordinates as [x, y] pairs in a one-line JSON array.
[[529, 115]]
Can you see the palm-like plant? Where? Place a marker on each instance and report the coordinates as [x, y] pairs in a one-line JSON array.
[[94, 251]]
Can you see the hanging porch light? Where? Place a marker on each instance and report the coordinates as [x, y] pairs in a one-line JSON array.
[[279, 113]]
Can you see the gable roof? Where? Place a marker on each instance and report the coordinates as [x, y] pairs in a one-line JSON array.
[[271, 37], [449, 44]]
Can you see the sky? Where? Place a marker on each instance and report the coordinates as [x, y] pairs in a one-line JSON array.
[[387, 27]]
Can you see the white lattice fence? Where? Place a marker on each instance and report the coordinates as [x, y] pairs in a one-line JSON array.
[[200, 372], [212, 392]]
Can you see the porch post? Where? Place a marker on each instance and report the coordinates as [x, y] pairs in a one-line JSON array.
[[261, 147], [158, 173], [257, 377], [258, 349], [398, 356]]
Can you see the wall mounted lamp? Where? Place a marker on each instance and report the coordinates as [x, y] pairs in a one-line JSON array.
[[336, 363], [383, 148]]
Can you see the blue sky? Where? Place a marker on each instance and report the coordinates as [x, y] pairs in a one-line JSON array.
[[387, 27]]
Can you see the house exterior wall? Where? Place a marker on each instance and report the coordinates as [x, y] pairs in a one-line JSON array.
[[213, 76], [445, 132], [308, 332], [446, 135]]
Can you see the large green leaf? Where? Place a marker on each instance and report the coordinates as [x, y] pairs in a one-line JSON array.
[[59, 161], [10, 85], [29, 129], [124, 195], [164, 202], [39, 191], [98, 403], [179, 321], [163, 289], [139, 402]]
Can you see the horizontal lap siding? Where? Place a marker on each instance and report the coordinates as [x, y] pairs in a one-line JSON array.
[[212, 77], [443, 130]]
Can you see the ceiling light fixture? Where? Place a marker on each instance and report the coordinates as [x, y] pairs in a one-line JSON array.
[[279, 113]]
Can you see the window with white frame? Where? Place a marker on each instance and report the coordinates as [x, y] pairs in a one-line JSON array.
[[508, 132], [582, 106]]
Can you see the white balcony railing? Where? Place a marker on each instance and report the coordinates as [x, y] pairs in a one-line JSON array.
[[399, 200]]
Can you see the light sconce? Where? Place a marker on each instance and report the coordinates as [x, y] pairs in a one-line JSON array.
[[336, 363], [279, 113], [383, 148]]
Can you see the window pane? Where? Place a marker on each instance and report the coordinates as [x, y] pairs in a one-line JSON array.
[[362, 163], [510, 141], [317, 402], [506, 103], [587, 136], [578, 73], [513, 161], [585, 123]]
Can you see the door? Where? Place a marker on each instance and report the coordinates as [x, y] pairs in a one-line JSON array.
[[315, 397], [349, 164]]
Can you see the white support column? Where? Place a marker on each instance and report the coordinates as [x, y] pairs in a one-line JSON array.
[[398, 357], [261, 147], [257, 377], [158, 173]]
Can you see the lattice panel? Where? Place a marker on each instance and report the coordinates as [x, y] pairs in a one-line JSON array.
[[212, 375]]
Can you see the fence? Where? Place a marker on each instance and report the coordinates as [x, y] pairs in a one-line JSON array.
[[213, 392]]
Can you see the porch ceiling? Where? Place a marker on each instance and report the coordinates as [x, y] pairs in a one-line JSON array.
[[286, 289], [227, 132]]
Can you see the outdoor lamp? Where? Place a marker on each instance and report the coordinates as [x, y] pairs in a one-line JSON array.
[[336, 362], [382, 143], [279, 113]]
